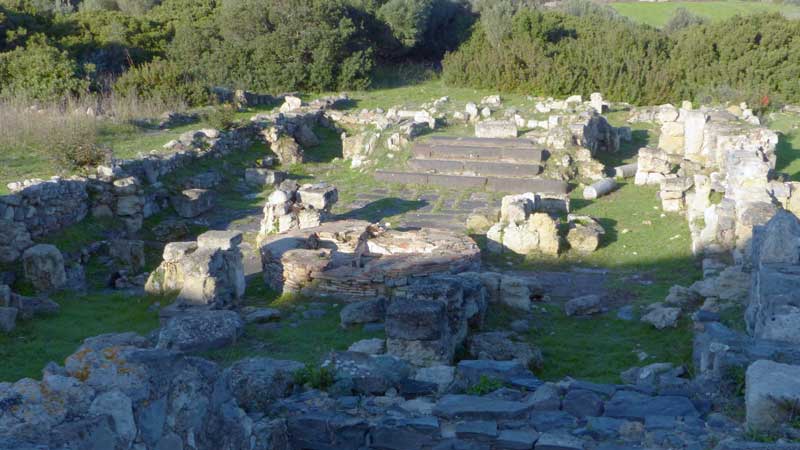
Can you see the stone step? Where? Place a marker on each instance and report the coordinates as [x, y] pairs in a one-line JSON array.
[[477, 168], [482, 142], [469, 153], [495, 184]]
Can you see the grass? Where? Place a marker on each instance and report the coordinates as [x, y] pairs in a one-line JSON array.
[[34, 343], [595, 348], [788, 149], [658, 14], [306, 342]]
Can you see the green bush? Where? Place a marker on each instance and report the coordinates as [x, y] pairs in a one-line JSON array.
[[317, 377], [681, 19], [163, 81], [274, 46], [485, 385], [222, 117], [550, 53], [753, 58], [40, 71]]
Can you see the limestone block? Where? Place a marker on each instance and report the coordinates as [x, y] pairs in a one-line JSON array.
[[43, 265], [495, 129], [772, 394]]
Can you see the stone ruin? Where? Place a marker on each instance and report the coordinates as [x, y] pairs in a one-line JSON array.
[[206, 273], [354, 259], [717, 168], [529, 223], [291, 207]]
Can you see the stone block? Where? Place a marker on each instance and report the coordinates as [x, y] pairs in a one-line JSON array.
[[43, 265], [495, 129], [193, 202], [772, 394]]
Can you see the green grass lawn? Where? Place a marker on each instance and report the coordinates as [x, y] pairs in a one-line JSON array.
[[788, 149], [658, 14]]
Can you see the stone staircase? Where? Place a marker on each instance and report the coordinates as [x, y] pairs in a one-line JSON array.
[[493, 164]]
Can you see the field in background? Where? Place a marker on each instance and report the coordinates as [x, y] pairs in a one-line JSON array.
[[657, 14]]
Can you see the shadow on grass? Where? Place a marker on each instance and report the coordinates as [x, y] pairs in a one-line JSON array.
[[786, 155], [386, 207]]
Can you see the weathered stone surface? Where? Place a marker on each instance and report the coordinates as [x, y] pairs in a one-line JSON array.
[[495, 129], [201, 331], [363, 312], [661, 317], [373, 346], [14, 239], [257, 382], [554, 441], [584, 233], [320, 196], [8, 319], [479, 408], [252, 314], [366, 374], [504, 346], [772, 394], [772, 312], [193, 202], [582, 306], [44, 267], [206, 272], [635, 406], [127, 253], [583, 403], [264, 177]]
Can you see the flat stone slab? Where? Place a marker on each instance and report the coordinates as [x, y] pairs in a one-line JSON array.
[[476, 141], [479, 153], [635, 406], [476, 168], [473, 407]]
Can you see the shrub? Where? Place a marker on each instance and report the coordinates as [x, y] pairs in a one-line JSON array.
[[222, 117], [161, 80], [407, 19], [681, 19], [558, 54], [276, 45], [39, 71], [317, 377], [485, 385], [754, 58]]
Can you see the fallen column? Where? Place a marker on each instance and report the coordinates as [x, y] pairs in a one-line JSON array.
[[599, 189]]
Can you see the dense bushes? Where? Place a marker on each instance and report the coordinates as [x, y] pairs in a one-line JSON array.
[[551, 53], [39, 71], [754, 58], [183, 48], [557, 54]]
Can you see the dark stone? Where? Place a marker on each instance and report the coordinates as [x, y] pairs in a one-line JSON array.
[[409, 388], [552, 420], [416, 320], [479, 408], [369, 311], [516, 440], [327, 431], [635, 406], [482, 430], [402, 434], [257, 382], [581, 403]]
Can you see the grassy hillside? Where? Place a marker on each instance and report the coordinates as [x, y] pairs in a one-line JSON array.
[[657, 14]]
